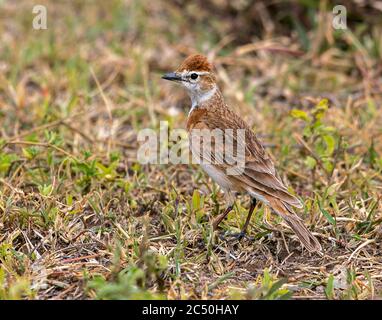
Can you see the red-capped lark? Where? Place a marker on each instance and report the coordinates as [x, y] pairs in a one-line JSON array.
[[257, 175]]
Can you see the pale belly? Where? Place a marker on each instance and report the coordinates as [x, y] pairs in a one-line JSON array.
[[223, 181], [218, 176]]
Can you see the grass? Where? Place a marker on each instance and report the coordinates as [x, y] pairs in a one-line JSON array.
[[80, 218]]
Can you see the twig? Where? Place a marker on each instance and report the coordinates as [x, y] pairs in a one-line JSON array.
[[360, 247], [46, 126], [79, 258], [41, 144]]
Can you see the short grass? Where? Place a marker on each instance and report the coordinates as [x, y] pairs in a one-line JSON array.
[[80, 218]]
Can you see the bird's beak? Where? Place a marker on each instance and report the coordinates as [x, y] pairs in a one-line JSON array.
[[172, 76]]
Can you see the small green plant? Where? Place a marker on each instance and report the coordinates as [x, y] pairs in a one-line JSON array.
[[127, 286], [322, 146], [354, 289], [321, 139], [14, 287], [132, 282], [349, 286], [266, 287], [6, 161], [329, 289]]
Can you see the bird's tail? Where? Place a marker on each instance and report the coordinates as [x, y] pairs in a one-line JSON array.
[[295, 222]]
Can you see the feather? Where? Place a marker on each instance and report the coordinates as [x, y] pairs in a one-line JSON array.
[[295, 222], [257, 174]]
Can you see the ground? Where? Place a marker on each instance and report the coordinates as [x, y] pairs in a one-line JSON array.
[[81, 218]]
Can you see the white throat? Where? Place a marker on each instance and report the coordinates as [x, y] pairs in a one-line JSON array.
[[197, 97]]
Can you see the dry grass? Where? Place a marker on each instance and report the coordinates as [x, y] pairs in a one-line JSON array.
[[80, 218]]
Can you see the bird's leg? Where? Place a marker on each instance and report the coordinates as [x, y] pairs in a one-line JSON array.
[[221, 216], [243, 232], [250, 212]]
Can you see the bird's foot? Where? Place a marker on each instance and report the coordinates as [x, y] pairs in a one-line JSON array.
[[222, 237], [241, 235], [235, 236]]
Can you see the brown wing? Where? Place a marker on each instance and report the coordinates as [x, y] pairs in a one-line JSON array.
[[258, 175]]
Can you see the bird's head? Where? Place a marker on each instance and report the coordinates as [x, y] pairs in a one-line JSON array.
[[196, 75]]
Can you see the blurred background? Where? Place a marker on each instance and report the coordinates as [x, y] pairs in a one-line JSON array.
[[80, 218]]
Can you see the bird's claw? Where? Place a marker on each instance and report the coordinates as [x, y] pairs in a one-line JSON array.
[[235, 236]]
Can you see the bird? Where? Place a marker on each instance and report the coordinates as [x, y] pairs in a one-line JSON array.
[[257, 176]]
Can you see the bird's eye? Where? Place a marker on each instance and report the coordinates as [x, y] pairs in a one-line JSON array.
[[194, 76]]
